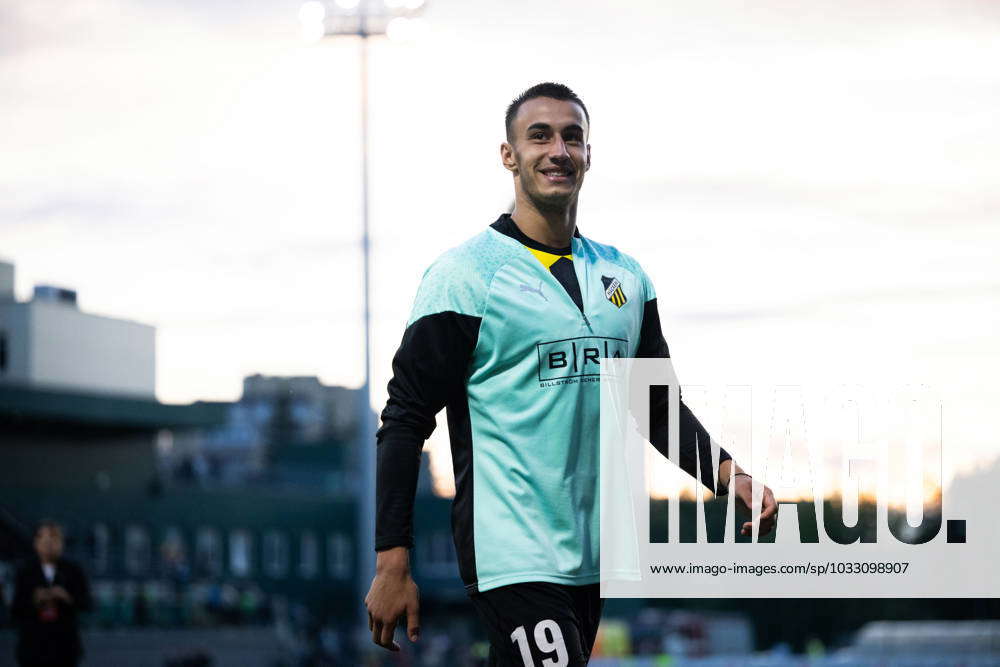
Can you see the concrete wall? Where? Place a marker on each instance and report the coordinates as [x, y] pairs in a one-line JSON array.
[[6, 281], [53, 345], [14, 329]]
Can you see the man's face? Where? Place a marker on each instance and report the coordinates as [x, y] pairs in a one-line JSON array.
[[548, 151], [49, 543]]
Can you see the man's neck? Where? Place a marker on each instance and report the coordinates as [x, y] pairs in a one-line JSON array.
[[551, 227]]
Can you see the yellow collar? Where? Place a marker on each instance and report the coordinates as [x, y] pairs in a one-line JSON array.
[[547, 258]]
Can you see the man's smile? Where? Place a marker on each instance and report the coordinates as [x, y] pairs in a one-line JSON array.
[[558, 174]]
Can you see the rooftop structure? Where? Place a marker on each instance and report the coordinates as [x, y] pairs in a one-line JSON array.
[[49, 343]]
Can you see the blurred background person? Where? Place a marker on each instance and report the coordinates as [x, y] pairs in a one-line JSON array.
[[49, 593]]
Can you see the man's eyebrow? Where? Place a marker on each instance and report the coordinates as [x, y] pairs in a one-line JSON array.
[[546, 127]]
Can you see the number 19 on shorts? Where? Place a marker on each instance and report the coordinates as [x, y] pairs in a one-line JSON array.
[[548, 639]]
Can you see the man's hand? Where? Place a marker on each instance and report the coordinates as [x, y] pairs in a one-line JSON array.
[[741, 486], [60, 593], [392, 595], [41, 595]]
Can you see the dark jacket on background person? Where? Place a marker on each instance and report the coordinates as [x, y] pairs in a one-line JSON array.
[[49, 636]]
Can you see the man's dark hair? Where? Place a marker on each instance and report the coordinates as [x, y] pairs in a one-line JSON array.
[[556, 91], [47, 524]]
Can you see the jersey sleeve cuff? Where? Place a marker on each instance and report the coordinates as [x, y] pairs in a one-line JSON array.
[[383, 543]]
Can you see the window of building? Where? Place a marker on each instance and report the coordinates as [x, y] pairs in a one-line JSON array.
[[444, 548], [435, 555], [308, 555], [164, 442], [240, 553], [208, 552], [421, 551], [338, 555], [100, 555], [275, 554], [136, 550], [173, 552]]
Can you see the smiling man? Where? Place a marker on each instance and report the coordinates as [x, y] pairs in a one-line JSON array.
[[507, 333]]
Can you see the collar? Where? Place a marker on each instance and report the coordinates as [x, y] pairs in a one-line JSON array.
[[506, 226]]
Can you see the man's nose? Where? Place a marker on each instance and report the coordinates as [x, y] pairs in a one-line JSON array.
[[558, 149]]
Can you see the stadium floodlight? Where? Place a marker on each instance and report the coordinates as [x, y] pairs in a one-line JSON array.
[[311, 19], [363, 19], [312, 12]]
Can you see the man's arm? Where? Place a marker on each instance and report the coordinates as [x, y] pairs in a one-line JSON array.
[[429, 372], [22, 606], [77, 593], [694, 438]]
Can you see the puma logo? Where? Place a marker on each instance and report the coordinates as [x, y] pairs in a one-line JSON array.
[[536, 290]]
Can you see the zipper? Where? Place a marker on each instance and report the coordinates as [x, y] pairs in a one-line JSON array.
[[585, 287], [575, 246]]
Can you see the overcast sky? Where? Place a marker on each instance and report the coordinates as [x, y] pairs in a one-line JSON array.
[[812, 185]]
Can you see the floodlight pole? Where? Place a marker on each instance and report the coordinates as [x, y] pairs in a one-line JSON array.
[[373, 18], [366, 502]]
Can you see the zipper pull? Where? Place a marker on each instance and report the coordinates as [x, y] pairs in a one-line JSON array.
[[587, 322]]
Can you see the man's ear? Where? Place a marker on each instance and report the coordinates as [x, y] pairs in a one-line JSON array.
[[588, 157], [507, 157]]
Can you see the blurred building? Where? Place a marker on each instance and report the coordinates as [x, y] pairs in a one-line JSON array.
[[212, 512], [48, 342], [285, 432], [957, 640], [292, 430]]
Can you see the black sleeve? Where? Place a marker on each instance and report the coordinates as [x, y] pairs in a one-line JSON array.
[[80, 590], [22, 606], [693, 436], [428, 372]]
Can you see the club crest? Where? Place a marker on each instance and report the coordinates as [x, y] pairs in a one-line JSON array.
[[613, 291]]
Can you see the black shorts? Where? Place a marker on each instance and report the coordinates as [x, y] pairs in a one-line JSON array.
[[534, 622]]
